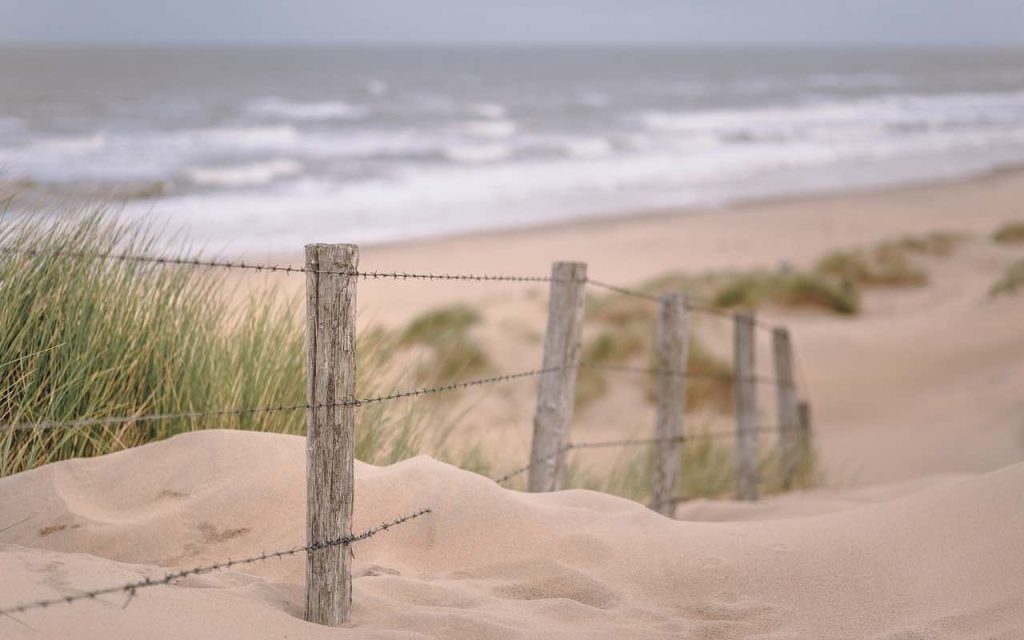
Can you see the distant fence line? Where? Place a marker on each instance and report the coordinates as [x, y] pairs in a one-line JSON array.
[[330, 338]]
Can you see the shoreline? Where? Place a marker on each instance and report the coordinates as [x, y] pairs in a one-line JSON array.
[[40, 197], [653, 213]]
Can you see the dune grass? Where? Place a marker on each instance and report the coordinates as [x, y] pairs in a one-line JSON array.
[[82, 337], [708, 470], [788, 289], [625, 335], [1009, 233], [92, 338], [1011, 280], [890, 263], [452, 351]]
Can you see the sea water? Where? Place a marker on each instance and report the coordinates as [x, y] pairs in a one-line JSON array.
[[266, 149]]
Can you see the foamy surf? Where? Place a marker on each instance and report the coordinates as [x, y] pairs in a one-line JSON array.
[[244, 175], [295, 110], [420, 142]]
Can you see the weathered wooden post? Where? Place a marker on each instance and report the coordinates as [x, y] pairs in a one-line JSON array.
[[556, 396], [805, 435], [671, 342], [330, 441], [786, 406], [746, 406]]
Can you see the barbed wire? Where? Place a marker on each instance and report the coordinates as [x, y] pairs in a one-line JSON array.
[[130, 589], [221, 413], [630, 442], [699, 307], [633, 293], [721, 377], [366, 275], [190, 415], [227, 264]]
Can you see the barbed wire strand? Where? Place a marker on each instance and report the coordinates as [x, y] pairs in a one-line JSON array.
[[699, 307], [633, 293], [721, 377], [632, 442], [227, 264], [366, 275], [155, 417], [131, 588]]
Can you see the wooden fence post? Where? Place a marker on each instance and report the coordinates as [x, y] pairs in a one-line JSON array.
[[671, 342], [786, 406], [556, 396], [330, 441], [805, 434], [746, 407]]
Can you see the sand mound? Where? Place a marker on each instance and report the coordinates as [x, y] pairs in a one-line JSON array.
[[942, 562]]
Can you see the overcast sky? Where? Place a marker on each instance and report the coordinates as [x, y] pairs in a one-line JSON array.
[[682, 22]]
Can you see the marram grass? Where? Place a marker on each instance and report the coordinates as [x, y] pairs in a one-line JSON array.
[[82, 337]]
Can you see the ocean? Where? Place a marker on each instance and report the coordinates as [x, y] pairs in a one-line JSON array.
[[257, 149]]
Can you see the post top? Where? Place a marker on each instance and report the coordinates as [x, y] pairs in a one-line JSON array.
[[577, 270], [674, 296]]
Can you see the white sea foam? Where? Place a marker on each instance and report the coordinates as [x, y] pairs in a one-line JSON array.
[[261, 137], [477, 153], [588, 147], [460, 144], [311, 111], [948, 109], [244, 175], [854, 81], [73, 145]]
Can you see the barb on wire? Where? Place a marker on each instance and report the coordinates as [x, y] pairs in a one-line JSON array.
[[186, 415], [401, 275], [131, 588]]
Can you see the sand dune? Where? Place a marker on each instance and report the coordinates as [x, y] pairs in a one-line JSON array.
[[938, 559]]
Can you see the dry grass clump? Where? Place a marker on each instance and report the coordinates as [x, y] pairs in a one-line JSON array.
[[890, 263], [626, 336], [1009, 233], [884, 266], [757, 288], [83, 337], [937, 244], [1011, 280], [708, 470], [789, 289], [452, 351]]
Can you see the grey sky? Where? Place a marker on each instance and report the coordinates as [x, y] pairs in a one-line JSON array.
[[890, 22]]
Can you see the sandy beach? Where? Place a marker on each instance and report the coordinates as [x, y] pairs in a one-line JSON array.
[[919, 421], [921, 382]]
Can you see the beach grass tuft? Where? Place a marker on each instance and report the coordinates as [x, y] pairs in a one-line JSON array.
[[1009, 233], [451, 349], [708, 470], [1011, 280], [83, 337]]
